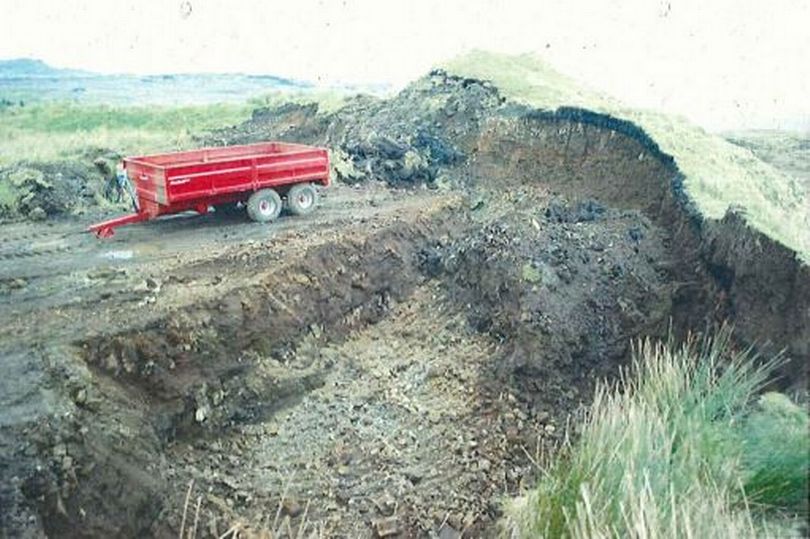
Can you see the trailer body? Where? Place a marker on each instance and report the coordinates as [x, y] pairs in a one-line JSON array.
[[197, 179]]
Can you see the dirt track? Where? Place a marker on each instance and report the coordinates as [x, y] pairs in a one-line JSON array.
[[62, 268], [397, 361]]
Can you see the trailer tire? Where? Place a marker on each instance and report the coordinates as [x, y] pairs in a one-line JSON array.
[[301, 198], [264, 206]]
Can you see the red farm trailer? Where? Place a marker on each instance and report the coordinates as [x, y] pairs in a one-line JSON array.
[[262, 176]]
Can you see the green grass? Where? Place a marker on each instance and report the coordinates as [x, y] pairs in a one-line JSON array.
[[52, 131], [677, 449], [49, 131], [718, 174]]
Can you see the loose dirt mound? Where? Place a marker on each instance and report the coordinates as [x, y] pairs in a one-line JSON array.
[[37, 191], [408, 139], [387, 372]]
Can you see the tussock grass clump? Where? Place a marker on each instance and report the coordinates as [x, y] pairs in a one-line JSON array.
[[775, 446], [676, 449]]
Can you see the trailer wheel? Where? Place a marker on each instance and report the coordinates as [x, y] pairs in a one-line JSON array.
[[264, 206], [302, 198]]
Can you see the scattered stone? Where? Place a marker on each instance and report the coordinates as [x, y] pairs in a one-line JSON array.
[[105, 273], [37, 214], [16, 284], [635, 233], [343, 496], [385, 504], [448, 532], [152, 284], [229, 482], [414, 476], [386, 527], [291, 507]]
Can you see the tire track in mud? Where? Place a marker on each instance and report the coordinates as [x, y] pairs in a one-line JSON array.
[[34, 251]]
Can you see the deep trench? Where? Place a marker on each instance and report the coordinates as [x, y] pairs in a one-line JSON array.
[[585, 242]]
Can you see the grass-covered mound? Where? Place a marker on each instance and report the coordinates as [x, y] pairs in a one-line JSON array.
[[681, 447], [718, 174]]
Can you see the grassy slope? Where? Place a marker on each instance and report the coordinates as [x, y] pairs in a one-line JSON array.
[[718, 173]]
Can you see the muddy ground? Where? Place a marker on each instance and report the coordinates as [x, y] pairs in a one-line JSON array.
[[394, 364]]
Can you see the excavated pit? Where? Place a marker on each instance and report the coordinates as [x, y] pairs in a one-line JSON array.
[[412, 376], [431, 353]]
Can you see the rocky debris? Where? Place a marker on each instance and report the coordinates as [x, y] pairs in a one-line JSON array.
[[8, 286], [37, 214], [40, 190], [559, 211], [385, 504], [152, 285]]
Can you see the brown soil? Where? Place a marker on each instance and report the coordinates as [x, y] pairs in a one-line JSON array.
[[397, 361]]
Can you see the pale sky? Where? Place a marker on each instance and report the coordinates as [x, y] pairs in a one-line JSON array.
[[720, 62]]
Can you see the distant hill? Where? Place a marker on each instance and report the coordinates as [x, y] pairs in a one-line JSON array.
[[31, 80], [29, 67]]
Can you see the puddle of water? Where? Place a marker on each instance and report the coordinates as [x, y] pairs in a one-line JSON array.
[[118, 255]]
